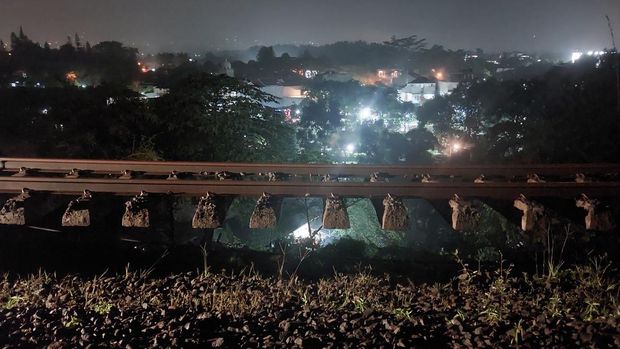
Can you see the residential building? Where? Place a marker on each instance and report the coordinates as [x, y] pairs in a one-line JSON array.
[[423, 89]]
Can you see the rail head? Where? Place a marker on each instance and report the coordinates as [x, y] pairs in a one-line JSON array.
[[164, 168], [194, 188]]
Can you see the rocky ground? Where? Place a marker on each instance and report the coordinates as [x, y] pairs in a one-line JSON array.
[[573, 308]]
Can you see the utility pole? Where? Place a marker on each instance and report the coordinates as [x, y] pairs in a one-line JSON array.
[[613, 42]]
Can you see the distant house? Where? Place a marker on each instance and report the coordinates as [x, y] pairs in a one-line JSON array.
[[465, 75], [287, 95], [446, 87], [288, 98], [152, 91], [423, 89]]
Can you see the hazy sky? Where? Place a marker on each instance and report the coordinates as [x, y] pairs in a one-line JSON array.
[[533, 25]]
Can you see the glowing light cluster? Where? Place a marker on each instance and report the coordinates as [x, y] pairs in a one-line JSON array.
[[71, 76], [576, 55]]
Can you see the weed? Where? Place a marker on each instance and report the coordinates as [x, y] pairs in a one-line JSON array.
[[517, 334], [14, 301], [73, 322], [402, 314], [102, 308], [360, 304]]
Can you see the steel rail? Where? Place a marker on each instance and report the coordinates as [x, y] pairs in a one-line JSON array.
[[499, 190], [163, 168]]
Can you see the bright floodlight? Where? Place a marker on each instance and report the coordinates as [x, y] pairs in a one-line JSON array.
[[365, 114], [456, 147], [302, 232], [575, 56], [350, 148]]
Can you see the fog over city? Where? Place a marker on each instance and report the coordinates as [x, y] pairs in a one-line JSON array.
[[557, 26]]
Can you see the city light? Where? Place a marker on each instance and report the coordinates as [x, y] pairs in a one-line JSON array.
[[575, 56], [71, 76], [453, 147], [365, 114], [350, 148]]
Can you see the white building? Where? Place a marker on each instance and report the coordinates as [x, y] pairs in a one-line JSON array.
[[151, 92], [287, 96], [446, 87], [422, 89]]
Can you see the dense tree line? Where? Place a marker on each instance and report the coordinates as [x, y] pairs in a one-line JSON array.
[[204, 117], [410, 54], [558, 114], [568, 114], [33, 64]]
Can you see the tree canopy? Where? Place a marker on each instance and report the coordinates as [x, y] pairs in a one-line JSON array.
[[218, 118]]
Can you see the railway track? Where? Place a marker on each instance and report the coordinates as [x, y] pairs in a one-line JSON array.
[[71, 177], [164, 168], [268, 181], [432, 191]]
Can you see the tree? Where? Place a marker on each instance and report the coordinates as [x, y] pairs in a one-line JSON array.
[[115, 62], [78, 42], [410, 43], [218, 118], [103, 122], [22, 36], [15, 41], [305, 55], [566, 115], [67, 49], [266, 54]]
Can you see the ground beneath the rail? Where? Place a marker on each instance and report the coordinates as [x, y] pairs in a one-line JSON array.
[[577, 308]]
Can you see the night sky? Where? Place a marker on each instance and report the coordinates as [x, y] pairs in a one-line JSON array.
[[195, 25]]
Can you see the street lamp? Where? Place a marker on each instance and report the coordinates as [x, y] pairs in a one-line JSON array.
[[454, 147], [350, 148]]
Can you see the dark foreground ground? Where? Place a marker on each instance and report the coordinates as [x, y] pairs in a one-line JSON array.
[[576, 307]]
